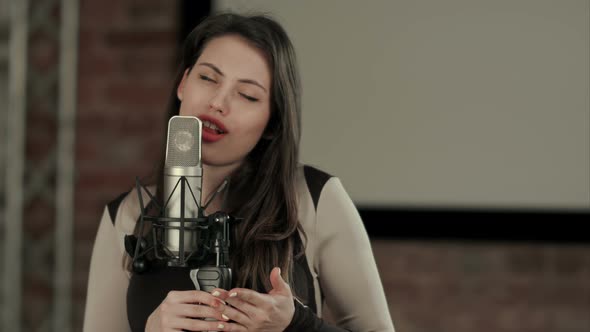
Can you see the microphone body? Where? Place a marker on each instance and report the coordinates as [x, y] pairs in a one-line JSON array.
[[183, 159]]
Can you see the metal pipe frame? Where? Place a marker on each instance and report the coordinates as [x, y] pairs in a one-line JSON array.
[[65, 165], [15, 166]]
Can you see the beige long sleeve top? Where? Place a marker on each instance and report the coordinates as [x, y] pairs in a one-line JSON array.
[[340, 269]]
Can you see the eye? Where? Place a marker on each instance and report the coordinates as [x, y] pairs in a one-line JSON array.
[[250, 98], [207, 78]]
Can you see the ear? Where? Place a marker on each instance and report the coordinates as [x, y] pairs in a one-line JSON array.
[[180, 88]]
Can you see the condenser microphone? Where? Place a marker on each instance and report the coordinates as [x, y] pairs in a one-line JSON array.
[[183, 160]]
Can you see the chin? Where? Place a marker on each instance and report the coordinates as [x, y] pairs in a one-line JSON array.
[[216, 162]]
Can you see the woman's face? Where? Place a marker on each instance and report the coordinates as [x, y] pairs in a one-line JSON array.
[[228, 89]]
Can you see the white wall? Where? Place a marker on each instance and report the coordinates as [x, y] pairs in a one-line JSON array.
[[454, 103]]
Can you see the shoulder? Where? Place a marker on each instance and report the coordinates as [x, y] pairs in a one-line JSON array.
[[322, 196], [124, 209], [113, 205], [314, 179]]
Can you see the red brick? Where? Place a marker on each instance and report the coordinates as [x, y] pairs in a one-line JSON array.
[[527, 260], [570, 262], [43, 51], [100, 14], [151, 12], [143, 38], [39, 217]]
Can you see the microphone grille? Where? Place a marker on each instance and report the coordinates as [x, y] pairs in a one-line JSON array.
[[183, 147]]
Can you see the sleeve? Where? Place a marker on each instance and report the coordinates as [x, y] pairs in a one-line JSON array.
[[305, 319], [106, 308], [347, 271]]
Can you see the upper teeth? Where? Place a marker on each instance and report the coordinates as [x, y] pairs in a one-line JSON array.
[[211, 126]]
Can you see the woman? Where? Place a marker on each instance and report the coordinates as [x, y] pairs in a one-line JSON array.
[[301, 241]]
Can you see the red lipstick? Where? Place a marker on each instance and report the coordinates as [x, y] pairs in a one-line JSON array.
[[214, 134]]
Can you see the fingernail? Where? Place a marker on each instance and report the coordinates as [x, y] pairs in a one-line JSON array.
[[218, 303], [224, 317], [220, 326], [234, 294], [216, 293]]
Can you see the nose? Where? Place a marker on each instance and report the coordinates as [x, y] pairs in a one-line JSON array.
[[218, 102]]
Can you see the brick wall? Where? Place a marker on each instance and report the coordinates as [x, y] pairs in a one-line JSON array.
[[126, 66], [127, 59], [462, 286]]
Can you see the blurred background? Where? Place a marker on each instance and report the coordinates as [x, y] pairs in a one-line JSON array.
[[461, 129]]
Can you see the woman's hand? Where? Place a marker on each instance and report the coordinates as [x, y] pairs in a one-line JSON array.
[[260, 312], [180, 308]]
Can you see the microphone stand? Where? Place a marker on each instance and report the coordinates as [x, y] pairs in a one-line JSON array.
[[214, 228], [216, 231], [206, 278]]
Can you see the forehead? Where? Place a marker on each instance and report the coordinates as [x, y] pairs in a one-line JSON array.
[[236, 57]]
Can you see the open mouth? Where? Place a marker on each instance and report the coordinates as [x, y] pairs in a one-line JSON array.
[[213, 129], [213, 126]]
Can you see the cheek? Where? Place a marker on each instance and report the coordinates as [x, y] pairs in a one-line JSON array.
[[193, 104], [182, 110], [260, 125], [251, 120], [251, 133], [249, 136]]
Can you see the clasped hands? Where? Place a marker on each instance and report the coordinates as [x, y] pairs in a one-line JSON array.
[[238, 309]]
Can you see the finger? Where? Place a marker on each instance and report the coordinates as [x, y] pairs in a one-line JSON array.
[[236, 315], [187, 324], [200, 311], [248, 295], [219, 293], [193, 297], [245, 307], [278, 283]]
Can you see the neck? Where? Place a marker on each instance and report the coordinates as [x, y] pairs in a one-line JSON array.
[[213, 177]]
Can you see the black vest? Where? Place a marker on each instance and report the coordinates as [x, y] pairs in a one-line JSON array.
[[147, 290]]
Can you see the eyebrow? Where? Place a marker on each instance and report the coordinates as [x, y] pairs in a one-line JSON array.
[[243, 80]]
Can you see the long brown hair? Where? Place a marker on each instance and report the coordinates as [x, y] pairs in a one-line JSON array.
[[263, 189]]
